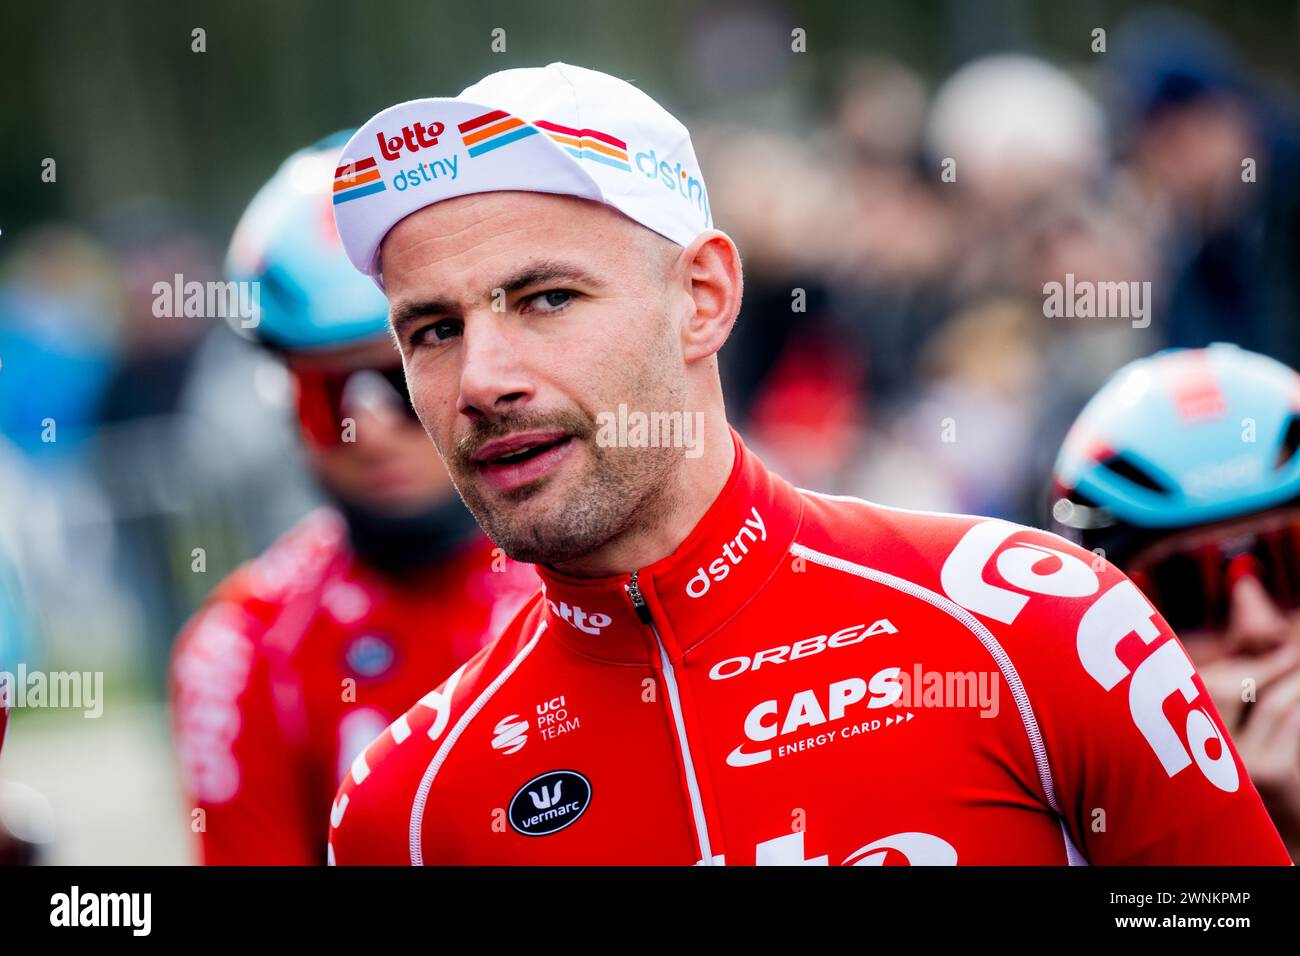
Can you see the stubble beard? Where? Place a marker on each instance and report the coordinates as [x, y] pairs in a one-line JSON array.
[[622, 491]]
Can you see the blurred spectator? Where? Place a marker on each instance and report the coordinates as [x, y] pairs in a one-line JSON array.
[[139, 460], [1016, 133], [792, 373], [193, 437], [153, 242], [18, 626], [894, 239], [60, 307], [1191, 115], [59, 311]]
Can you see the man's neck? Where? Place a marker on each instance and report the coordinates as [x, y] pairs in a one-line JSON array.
[[698, 484]]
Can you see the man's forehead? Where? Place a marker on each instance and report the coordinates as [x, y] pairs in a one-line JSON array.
[[494, 232]]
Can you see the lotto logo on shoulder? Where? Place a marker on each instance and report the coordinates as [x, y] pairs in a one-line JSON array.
[[1034, 576]]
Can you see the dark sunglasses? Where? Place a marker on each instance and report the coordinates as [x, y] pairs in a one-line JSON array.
[[1190, 577], [321, 394]]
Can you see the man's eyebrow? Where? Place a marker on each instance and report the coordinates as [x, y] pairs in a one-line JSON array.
[[547, 270], [408, 312], [533, 274]]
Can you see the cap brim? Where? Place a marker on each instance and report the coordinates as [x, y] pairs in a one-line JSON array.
[[480, 149]]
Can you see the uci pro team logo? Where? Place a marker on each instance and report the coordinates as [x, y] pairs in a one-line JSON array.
[[549, 803]]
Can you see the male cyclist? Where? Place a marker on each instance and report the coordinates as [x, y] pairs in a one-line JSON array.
[[722, 668], [304, 654], [1184, 471]]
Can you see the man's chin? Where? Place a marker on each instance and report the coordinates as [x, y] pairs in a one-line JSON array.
[[537, 544], [534, 524], [566, 514], [507, 501]]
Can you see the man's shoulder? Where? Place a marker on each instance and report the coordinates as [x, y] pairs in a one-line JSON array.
[[998, 577], [878, 535]]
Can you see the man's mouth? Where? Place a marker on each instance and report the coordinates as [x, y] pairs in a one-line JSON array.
[[516, 448], [516, 460]]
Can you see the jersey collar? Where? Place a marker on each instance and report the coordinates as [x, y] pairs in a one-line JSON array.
[[737, 546]]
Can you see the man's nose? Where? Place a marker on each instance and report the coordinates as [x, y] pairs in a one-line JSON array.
[[1255, 623], [492, 375]]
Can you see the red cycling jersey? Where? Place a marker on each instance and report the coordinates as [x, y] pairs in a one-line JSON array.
[[297, 661], [818, 680]]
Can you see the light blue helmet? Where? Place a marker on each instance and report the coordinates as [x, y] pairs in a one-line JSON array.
[[309, 296], [1183, 438]]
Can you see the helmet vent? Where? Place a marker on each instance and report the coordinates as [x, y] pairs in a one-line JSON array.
[[1290, 442], [1135, 473]]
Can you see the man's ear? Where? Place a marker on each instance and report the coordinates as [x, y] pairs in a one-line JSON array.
[[711, 278]]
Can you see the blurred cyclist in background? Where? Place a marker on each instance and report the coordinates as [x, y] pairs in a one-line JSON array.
[[1184, 471], [304, 654]]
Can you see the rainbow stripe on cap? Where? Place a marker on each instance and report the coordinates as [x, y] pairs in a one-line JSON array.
[[495, 129], [355, 180], [482, 134], [589, 144]]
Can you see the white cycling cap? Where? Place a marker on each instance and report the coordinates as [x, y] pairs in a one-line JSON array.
[[553, 129]]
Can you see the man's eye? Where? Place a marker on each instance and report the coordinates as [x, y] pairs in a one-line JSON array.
[[552, 300], [436, 332]]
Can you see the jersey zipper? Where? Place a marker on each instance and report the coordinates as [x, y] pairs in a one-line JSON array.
[[675, 708]]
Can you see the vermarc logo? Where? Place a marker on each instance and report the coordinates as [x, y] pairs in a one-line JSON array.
[[549, 803]]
